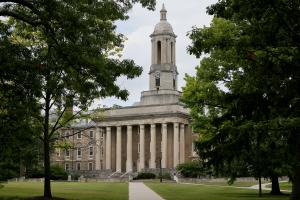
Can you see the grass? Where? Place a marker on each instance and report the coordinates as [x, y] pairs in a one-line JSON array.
[[284, 186], [171, 191], [82, 191], [235, 184]]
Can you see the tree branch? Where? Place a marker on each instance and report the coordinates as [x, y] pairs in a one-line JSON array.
[[7, 13]]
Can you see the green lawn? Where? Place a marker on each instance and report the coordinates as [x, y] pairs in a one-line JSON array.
[[171, 191], [284, 186], [84, 191], [235, 184]]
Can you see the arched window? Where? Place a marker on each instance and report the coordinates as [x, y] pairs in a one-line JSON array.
[[158, 52], [172, 53]]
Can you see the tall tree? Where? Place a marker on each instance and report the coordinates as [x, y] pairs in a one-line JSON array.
[[240, 104], [72, 43], [18, 131]]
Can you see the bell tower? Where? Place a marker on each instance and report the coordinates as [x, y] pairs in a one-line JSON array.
[[163, 71]]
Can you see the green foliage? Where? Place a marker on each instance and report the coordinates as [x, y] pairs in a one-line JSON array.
[[145, 175], [58, 173], [59, 55], [166, 176], [192, 169], [245, 95]]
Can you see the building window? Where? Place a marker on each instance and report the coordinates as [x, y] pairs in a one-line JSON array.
[[67, 153], [58, 152], [157, 79], [174, 80], [90, 166], [67, 135], [78, 166], [158, 52], [79, 135], [91, 134], [91, 151], [67, 167], [172, 53], [79, 153]]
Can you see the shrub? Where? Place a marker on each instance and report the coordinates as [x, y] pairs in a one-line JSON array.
[[58, 173], [193, 169], [166, 176], [145, 175]]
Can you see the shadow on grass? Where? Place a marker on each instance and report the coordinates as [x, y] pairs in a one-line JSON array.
[[255, 196], [30, 198]]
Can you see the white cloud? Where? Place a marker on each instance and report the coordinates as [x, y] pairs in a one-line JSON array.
[[182, 15]]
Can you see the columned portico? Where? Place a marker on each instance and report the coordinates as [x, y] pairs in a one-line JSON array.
[[176, 145], [108, 148], [182, 144], [153, 146], [118, 148], [129, 149], [142, 147], [164, 146]]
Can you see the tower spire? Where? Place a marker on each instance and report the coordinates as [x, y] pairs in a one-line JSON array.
[[163, 13]]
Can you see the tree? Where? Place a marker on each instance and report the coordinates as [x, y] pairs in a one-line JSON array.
[[73, 45], [237, 98], [19, 143]]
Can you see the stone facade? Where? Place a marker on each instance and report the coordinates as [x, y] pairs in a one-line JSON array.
[[152, 133]]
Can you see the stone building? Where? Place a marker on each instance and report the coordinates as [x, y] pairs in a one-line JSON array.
[[152, 132]]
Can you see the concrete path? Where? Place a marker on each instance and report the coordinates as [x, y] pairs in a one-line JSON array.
[[139, 191]]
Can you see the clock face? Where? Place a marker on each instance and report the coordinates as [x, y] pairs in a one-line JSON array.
[[157, 75]]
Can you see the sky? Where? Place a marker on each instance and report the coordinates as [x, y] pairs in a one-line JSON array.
[[182, 15]]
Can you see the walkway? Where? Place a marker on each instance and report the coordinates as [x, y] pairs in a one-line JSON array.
[[138, 191]]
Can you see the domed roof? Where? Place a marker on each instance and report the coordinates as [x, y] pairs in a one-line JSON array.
[[163, 27]]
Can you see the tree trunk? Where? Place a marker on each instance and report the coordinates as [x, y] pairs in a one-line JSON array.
[[275, 186], [47, 186], [296, 173], [259, 183]]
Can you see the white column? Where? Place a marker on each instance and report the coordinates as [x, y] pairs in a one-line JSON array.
[[164, 146], [176, 145], [118, 149], [129, 149], [108, 148], [98, 148], [182, 144], [152, 146], [142, 147]]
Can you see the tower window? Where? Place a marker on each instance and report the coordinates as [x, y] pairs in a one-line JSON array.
[[174, 80], [157, 79], [172, 49], [158, 52]]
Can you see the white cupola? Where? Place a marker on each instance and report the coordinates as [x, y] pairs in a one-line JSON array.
[[163, 70]]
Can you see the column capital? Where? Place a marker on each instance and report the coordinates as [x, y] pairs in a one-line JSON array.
[[182, 125], [164, 125], [153, 125], [176, 124], [142, 126]]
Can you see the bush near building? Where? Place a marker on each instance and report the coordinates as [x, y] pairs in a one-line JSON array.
[[193, 169]]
